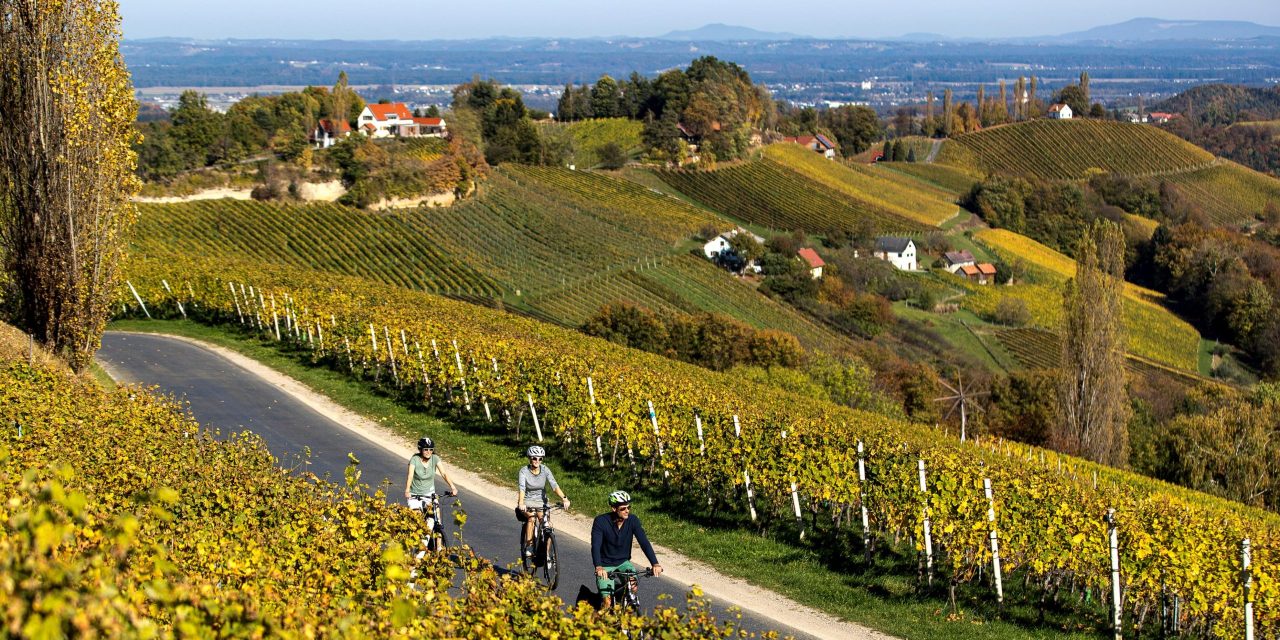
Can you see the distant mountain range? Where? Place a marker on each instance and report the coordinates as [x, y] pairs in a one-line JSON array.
[[1135, 30]]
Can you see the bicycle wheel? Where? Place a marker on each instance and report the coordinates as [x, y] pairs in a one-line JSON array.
[[438, 539], [550, 562]]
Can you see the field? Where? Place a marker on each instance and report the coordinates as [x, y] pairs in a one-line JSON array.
[[425, 149], [585, 137], [1039, 348], [891, 192], [1047, 506], [1152, 330], [1229, 193], [950, 180], [767, 193], [554, 243], [1070, 149]]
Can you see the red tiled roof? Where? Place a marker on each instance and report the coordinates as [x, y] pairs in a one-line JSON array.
[[387, 111], [969, 270], [429, 122], [811, 256], [1056, 108], [368, 126], [986, 268], [328, 125]]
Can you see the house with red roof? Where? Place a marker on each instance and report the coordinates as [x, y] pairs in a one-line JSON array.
[[818, 144], [1160, 117], [983, 273], [395, 119], [1060, 111], [814, 261], [328, 132]]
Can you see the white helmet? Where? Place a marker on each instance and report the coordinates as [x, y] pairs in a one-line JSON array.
[[619, 497], [536, 452]]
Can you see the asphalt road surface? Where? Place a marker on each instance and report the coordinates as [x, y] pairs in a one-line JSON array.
[[226, 397]]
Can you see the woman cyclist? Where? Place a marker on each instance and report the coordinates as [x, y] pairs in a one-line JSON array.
[[532, 489], [424, 466]]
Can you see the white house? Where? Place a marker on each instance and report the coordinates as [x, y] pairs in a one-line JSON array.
[[900, 252], [384, 120], [814, 261], [327, 133], [955, 260], [721, 243], [1060, 111]]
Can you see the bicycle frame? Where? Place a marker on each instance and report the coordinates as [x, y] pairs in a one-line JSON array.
[[429, 506], [626, 590]]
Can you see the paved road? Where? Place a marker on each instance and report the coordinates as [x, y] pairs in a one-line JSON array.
[[224, 396]]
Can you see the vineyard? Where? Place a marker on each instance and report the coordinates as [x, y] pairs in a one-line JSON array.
[[1041, 349], [708, 429], [123, 519], [391, 248], [585, 138], [425, 149], [950, 180], [1230, 194], [1152, 331], [767, 193], [1070, 149], [910, 199]]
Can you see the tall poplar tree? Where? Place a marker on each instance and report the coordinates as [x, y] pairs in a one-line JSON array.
[[66, 133], [946, 113], [1092, 402]]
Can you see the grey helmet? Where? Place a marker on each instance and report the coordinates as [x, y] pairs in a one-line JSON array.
[[536, 452]]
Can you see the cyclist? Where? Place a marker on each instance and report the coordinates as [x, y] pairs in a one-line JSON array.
[[611, 537], [533, 480], [424, 466]]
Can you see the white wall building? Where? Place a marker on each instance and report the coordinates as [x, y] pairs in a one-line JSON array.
[[900, 252]]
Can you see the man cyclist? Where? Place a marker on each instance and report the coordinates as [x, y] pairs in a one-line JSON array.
[[424, 466], [611, 537], [532, 488]]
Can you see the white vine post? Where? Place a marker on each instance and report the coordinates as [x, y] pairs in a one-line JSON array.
[[862, 501], [702, 444], [537, 426], [737, 427], [591, 391], [751, 499], [795, 505], [236, 299], [928, 532], [139, 299], [351, 363], [275, 317], [1247, 580], [995, 542], [175, 297], [391, 353], [1113, 540], [653, 419], [466, 396]]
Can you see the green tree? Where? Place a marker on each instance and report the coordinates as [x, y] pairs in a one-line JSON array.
[[196, 128], [67, 163], [1092, 402], [854, 126], [605, 98], [899, 151], [1074, 97]]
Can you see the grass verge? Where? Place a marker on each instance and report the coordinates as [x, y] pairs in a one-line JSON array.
[[883, 594]]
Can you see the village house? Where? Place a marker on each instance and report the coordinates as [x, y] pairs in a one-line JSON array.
[[818, 144], [814, 261], [721, 244], [395, 119], [954, 260], [327, 133], [983, 273], [1060, 111], [1160, 117], [900, 252]]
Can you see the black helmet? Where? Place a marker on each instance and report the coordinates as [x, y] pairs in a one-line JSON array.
[[426, 443]]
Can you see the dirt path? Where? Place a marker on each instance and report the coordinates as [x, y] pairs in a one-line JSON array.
[[933, 152], [763, 603], [208, 194]]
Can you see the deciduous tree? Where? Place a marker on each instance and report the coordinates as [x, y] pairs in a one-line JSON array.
[[66, 133]]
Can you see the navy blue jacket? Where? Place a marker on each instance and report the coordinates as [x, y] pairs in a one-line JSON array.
[[611, 546]]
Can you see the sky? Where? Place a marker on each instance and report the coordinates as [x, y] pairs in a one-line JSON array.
[[422, 20]]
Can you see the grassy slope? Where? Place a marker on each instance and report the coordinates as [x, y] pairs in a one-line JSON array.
[[883, 596]]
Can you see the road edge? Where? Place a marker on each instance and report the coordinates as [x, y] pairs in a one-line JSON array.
[[692, 573]]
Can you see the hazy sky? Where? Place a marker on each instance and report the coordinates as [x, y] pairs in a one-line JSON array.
[[422, 20]]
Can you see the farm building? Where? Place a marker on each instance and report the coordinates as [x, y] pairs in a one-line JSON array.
[[900, 252], [1060, 111], [395, 119], [818, 144], [982, 273], [813, 260], [954, 260]]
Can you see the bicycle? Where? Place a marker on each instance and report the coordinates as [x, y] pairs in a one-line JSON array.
[[544, 547], [429, 506], [626, 588]]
